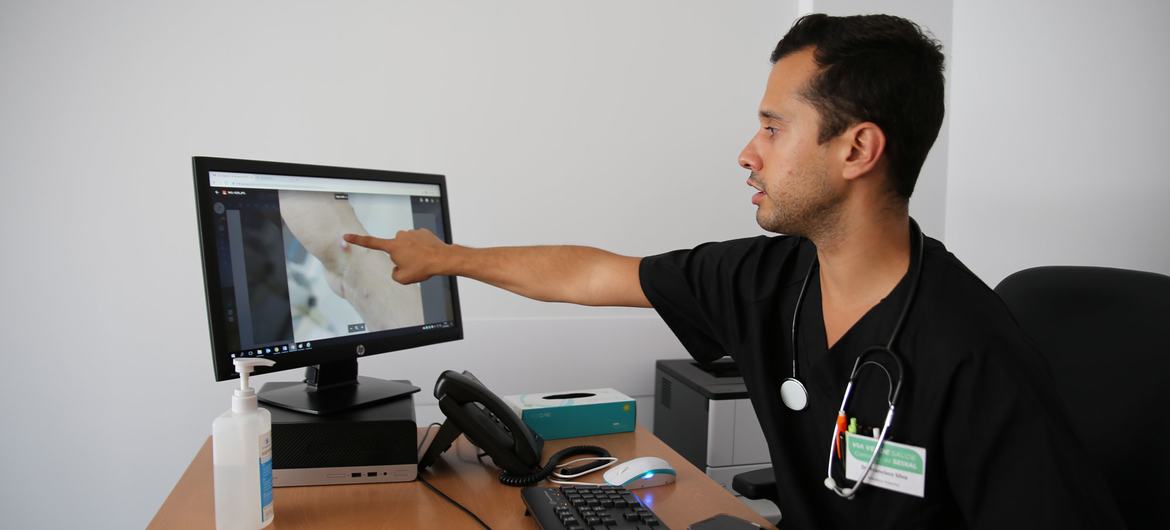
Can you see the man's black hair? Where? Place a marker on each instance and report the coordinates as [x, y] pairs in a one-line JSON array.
[[876, 68]]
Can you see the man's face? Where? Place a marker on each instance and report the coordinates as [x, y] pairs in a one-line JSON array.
[[790, 170]]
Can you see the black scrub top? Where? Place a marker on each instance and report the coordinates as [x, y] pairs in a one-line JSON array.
[[976, 396]]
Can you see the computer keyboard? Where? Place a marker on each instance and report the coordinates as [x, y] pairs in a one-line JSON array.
[[588, 507]]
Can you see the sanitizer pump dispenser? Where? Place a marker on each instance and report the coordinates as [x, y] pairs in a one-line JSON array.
[[241, 444]]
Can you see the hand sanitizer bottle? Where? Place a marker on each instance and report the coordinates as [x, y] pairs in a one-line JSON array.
[[241, 448]]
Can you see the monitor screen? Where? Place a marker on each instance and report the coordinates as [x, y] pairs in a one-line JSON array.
[[283, 284]]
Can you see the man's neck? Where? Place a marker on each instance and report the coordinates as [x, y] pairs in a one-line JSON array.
[[861, 261]]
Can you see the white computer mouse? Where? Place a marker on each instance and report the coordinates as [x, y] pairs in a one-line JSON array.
[[641, 472]]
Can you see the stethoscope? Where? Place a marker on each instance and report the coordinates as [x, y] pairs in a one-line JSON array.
[[795, 396]]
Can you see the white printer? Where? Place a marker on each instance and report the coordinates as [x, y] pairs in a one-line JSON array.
[[702, 411]]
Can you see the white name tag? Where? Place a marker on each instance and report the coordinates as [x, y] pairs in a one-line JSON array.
[[900, 467]]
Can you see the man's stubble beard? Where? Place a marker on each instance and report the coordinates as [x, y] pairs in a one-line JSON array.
[[809, 207]]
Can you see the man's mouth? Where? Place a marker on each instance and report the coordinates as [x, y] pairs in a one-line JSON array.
[[759, 196]]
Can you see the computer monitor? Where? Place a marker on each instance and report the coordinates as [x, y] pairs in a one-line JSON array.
[[282, 284]]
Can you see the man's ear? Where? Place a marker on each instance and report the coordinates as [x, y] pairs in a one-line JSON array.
[[862, 145]]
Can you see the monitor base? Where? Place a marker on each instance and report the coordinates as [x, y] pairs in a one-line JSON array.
[[309, 399]]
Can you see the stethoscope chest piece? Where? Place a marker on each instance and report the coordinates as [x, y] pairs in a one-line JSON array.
[[793, 394]]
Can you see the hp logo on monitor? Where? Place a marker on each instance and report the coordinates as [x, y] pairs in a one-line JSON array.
[[361, 349]]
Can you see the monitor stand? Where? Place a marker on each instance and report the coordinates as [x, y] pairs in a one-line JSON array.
[[333, 387]]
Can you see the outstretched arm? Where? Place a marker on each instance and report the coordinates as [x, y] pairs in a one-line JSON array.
[[572, 274]]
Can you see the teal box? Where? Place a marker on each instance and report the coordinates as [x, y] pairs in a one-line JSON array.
[[576, 413]]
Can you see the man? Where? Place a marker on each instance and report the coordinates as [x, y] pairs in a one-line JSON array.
[[851, 108]]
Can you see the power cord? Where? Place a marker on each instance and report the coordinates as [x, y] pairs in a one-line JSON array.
[[427, 435], [452, 501]]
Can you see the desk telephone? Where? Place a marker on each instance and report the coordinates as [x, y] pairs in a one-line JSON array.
[[491, 425]]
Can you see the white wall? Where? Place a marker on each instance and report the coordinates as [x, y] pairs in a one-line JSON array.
[[1059, 122], [608, 123]]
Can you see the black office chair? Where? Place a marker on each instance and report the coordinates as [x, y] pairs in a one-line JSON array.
[[1104, 334]]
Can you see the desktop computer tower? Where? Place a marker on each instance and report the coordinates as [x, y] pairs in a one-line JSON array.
[[375, 443]]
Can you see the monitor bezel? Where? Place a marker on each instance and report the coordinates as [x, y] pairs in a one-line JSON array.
[[375, 343]]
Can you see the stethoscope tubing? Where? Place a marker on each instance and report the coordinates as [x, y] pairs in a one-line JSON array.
[[916, 271], [795, 395]]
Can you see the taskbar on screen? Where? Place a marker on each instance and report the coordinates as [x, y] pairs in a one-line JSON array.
[[275, 350]]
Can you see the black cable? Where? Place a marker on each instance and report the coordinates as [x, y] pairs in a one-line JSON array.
[[452, 501], [426, 435], [509, 479], [583, 468]]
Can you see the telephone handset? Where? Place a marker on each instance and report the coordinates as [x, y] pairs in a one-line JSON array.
[[490, 424], [487, 421]]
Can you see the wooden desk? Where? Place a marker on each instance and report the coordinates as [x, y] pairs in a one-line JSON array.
[[409, 505]]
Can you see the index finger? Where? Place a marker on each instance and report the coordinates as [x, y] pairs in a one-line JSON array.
[[370, 242]]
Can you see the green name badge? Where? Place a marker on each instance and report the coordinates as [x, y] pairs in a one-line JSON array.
[[899, 467]]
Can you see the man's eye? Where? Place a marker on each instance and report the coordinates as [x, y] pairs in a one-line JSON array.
[[771, 131]]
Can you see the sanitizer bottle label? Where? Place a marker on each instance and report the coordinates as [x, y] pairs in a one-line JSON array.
[[265, 478]]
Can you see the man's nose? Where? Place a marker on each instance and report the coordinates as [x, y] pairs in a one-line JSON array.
[[748, 159]]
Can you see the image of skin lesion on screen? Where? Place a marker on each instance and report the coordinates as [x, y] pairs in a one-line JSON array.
[[335, 288]]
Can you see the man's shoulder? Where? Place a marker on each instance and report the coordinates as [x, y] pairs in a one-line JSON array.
[[733, 253], [737, 270], [952, 293], [746, 245], [757, 261], [962, 307]]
